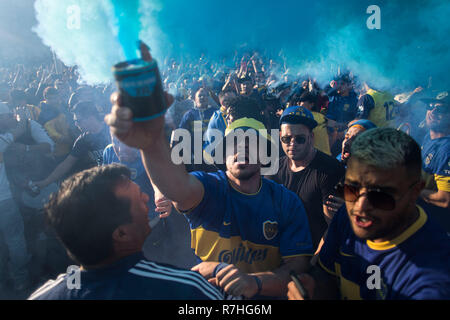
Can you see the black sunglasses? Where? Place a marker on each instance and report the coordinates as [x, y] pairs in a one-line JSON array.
[[297, 139], [378, 199]]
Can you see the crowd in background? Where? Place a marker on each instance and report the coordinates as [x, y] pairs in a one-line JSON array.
[[48, 112]]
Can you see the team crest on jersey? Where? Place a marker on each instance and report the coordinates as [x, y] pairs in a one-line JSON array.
[[270, 229], [428, 158]]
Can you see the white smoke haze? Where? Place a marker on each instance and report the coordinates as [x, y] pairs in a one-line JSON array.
[[92, 44]]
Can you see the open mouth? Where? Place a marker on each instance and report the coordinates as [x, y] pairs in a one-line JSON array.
[[363, 222]]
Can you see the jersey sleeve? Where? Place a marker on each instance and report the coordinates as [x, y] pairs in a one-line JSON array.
[[108, 155], [442, 171], [184, 123], [211, 198], [330, 248], [295, 235]]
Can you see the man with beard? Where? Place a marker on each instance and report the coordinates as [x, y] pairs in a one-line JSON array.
[[436, 157], [249, 231], [381, 245], [306, 171]]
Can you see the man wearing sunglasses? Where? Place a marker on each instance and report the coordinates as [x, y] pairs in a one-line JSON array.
[[381, 245], [306, 171], [436, 155]]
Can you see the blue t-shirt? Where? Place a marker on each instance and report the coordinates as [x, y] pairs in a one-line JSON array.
[[436, 160], [342, 109], [217, 122], [252, 231], [414, 265], [131, 278], [138, 176], [193, 115]]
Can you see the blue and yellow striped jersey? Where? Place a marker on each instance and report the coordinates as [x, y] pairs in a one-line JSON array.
[[436, 162], [252, 231], [414, 265]]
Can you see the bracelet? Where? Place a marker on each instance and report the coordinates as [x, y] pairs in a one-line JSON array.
[[259, 284]]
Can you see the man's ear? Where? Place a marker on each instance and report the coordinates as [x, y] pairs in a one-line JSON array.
[[121, 234]]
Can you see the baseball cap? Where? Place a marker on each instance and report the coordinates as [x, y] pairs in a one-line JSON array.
[[363, 123], [442, 97], [298, 115]]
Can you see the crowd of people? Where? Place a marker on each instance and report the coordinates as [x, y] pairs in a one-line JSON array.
[[363, 179]]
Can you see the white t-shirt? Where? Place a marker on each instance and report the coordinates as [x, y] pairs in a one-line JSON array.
[[38, 134]]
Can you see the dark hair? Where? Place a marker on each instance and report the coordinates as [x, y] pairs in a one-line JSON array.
[[244, 107], [346, 78], [86, 109], [17, 94], [307, 97], [85, 212]]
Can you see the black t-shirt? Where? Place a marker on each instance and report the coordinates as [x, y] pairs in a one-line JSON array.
[[88, 149], [313, 185]]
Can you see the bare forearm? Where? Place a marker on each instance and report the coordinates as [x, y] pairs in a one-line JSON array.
[[171, 179], [61, 170], [274, 283], [437, 198]]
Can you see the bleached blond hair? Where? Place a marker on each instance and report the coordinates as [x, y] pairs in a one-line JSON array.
[[388, 148]]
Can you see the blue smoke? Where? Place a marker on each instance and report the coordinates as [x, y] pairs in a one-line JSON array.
[[129, 26], [314, 37]]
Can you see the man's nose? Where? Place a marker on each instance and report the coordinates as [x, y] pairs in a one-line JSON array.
[[363, 203]]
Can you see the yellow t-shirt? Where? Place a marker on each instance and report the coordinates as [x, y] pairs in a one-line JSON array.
[[383, 100], [321, 141]]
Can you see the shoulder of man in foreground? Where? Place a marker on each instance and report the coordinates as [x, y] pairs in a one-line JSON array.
[[144, 280]]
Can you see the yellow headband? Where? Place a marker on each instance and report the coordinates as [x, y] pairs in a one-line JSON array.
[[249, 123]]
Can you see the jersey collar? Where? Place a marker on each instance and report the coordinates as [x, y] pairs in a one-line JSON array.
[[386, 245]]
